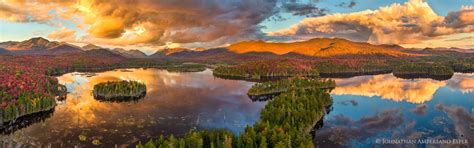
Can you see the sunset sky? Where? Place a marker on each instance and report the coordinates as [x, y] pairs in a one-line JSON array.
[[152, 24]]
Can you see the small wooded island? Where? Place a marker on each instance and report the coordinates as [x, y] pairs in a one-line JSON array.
[[119, 90], [188, 67], [263, 91]]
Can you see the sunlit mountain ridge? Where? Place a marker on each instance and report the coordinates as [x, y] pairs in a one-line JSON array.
[[320, 47]]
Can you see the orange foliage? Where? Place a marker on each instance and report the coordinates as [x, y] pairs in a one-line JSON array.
[[320, 47]]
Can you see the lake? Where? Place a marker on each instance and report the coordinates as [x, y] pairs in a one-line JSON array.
[[175, 103], [366, 109]]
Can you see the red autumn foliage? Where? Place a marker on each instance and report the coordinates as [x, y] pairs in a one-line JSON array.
[[27, 74]]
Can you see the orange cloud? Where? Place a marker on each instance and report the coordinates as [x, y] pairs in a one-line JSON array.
[[208, 22], [462, 82], [64, 34], [411, 22], [32, 11], [389, 87], [161, 21]]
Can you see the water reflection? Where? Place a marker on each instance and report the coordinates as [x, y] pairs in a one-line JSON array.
[[388, 86], [25, 121], [365, 108], [463, 82], [175, 103], [368, 108]]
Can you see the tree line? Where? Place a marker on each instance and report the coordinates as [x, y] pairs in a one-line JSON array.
[[285, 122], [124, 89]]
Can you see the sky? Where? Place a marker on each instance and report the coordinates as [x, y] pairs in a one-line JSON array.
[[149, 25]]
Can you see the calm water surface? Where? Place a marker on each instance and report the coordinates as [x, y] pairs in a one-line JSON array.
[[370, 109], [365, 109], [175, 103]]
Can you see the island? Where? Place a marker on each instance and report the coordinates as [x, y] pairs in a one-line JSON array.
[[267, 90], [186, 67], [422, 70], [267, 69], [119, 90]]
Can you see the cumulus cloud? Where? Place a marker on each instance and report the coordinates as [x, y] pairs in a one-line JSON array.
[[308, 10], [351, 102], [341, 130], [174, 21], [216, 22], [300, 8], [462, 82], [411, 22], [420, 109], [462, 39], [152, 22], [463, 121], [63, 34], [389, 87], [347, 5], [32, 11], [11, 14]]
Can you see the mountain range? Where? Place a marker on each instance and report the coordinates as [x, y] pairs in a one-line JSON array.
[[318, 47], [134, 53], [41, 46], [90, 47]]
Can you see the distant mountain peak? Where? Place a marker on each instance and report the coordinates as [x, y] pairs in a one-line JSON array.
[[168, 51], [90, 47], [4, 51], [320, 47], [132, 53], [39, 46], [38, 39], [37, 43]]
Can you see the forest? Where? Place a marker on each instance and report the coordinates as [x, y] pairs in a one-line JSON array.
[[186, 67], [119, 90], [285, 121], [23, 91], [267, 68], [277, 87], [27, 87], [347, 68], [423, 70], [21, 76], [23, 81], [436, 67]]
